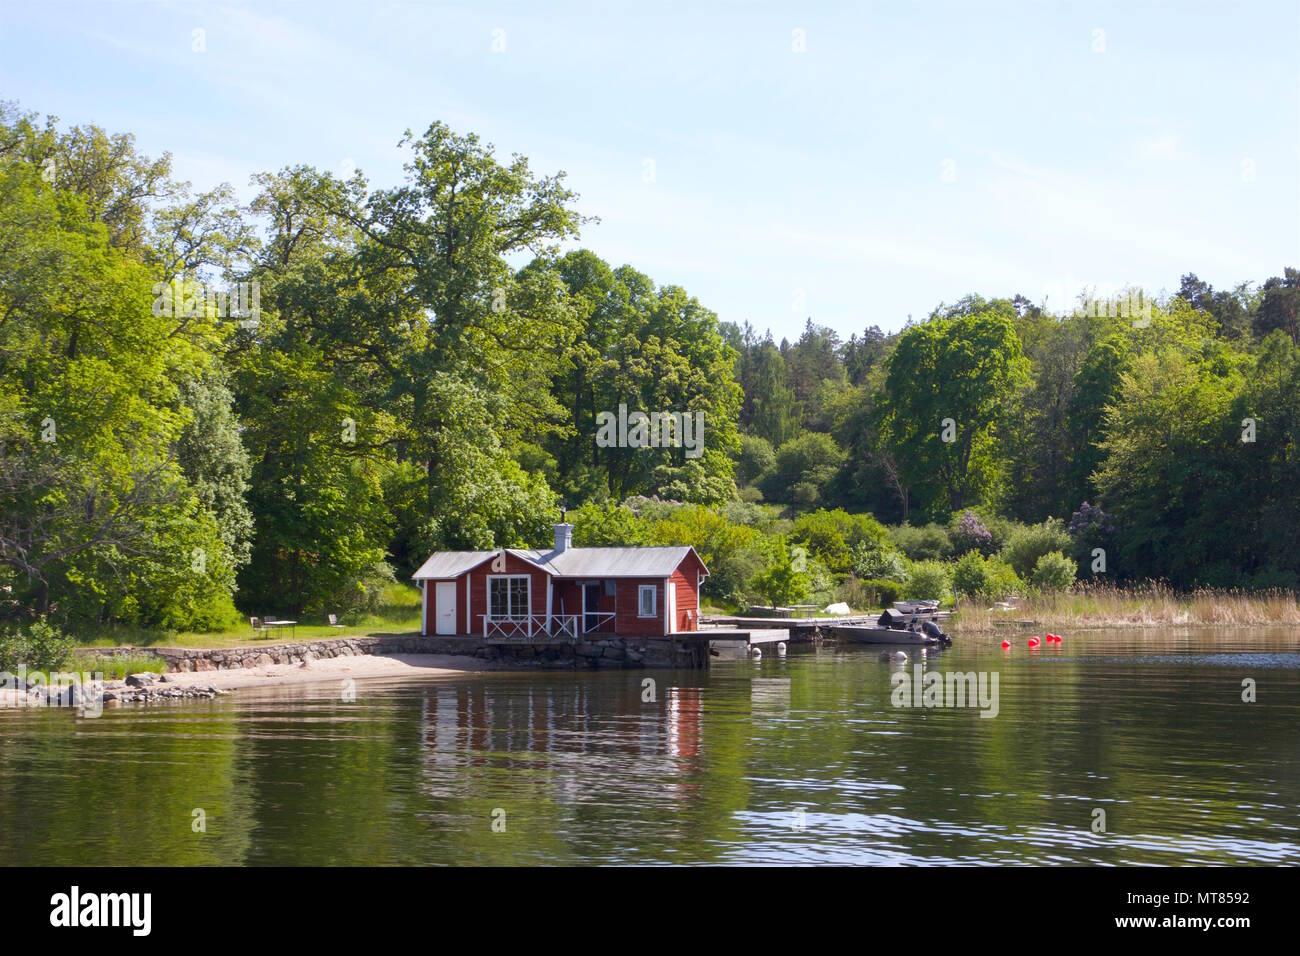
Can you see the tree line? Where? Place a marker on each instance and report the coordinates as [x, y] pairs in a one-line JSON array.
[[284, 406]]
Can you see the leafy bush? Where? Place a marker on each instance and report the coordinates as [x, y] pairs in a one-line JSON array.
[[991, 578], [365, 595], [832, 536], [804, 467], [877, 563], [884, 593], [1053, 572], [821, 583], [1003, 582], [1030, 543], [969, 576], [780, 582], [929, 580], [756, 458], [922, 543], [749, 514], [39, 645], [855, 593]]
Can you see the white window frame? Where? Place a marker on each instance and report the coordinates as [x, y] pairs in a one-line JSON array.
[[641, 589], [512, 614]]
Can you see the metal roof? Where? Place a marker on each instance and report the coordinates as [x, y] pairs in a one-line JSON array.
[[616, 562], [451, 564], [650, 562]]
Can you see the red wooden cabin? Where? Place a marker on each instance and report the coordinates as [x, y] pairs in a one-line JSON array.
[[562, 594]]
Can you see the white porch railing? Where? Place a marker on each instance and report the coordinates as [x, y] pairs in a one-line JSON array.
[[601, 619], [531, 627], [542, 627]]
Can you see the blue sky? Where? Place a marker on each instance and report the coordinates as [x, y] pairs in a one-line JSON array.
[[911, 153]]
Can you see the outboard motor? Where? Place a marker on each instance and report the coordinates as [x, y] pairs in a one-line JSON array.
[[931, 629]]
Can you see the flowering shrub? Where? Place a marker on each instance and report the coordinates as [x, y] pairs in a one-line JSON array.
[[1090, 520], [971, 534]]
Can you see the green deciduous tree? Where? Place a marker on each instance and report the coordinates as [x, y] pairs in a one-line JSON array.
[[948, 386]]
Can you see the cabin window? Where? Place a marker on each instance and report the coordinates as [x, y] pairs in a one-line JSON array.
[[508, 596], [647, 595]]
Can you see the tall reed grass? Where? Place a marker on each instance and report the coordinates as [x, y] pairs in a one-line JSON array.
[[1144, 605]]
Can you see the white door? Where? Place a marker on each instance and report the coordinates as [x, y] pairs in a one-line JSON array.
[[672, 606], [445, 602]]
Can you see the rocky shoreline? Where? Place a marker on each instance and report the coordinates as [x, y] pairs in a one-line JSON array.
[[207, 673], [148, 687], [92, 695]]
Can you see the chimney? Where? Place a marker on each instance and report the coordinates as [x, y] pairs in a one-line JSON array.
[[563, 537]]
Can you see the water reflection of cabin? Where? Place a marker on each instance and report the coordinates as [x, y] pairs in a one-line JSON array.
[[520, 595]]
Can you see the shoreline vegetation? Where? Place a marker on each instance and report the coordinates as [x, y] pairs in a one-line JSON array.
[[396, 612], [1096, 607], [1084, 607]]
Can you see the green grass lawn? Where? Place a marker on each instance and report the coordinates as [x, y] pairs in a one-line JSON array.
[[115, 668], [398, 613]]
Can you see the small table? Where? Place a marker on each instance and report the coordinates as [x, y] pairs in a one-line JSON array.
[[278, 624]]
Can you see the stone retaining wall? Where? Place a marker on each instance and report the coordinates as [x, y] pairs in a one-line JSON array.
[[603, 653]]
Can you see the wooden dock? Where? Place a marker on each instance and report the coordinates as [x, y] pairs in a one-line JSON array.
[[750, 636], [786, 623]]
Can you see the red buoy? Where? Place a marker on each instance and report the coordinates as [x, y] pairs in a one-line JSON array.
[[1034, 642], [1005, 645]]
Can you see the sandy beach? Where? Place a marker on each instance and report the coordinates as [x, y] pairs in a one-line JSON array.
[[325, 670], [330, 668]]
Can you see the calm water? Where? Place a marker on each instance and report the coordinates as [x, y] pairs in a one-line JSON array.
[[1149, 727]]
